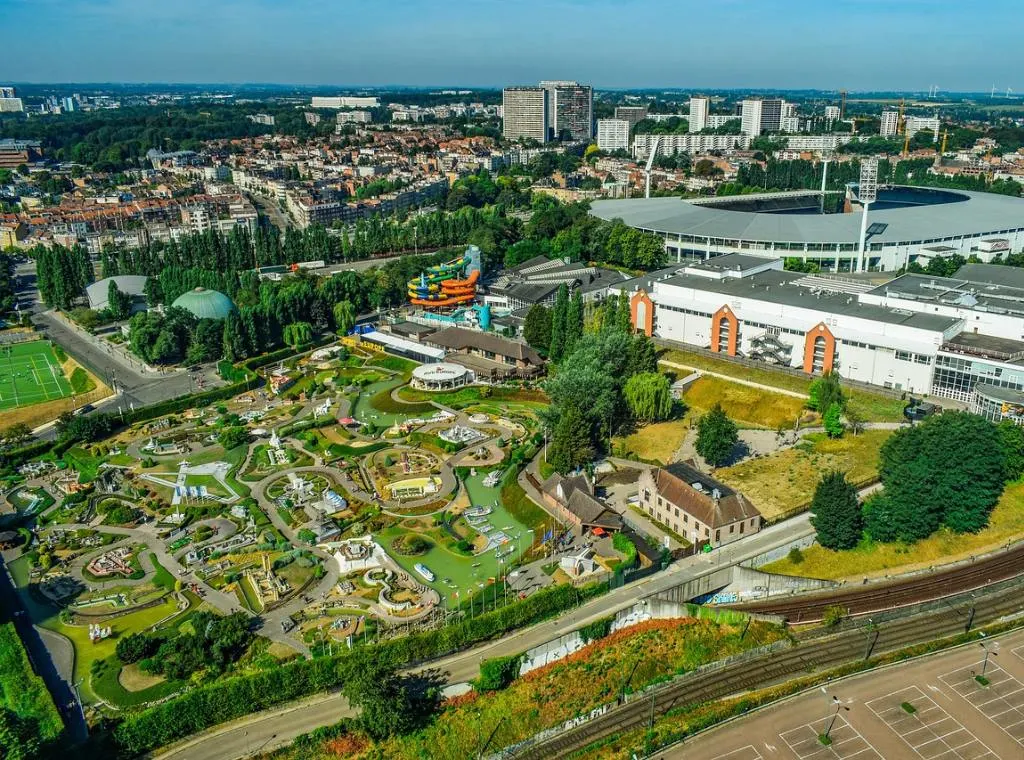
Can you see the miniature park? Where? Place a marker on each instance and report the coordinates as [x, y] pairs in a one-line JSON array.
[[336, 508]]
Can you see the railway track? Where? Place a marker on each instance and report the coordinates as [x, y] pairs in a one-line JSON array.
[[807, 655], [887, 596]]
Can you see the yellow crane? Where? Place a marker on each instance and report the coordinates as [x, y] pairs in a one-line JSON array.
[[945, 138]]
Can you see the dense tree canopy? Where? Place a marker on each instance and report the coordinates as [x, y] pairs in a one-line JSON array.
[[836, 512], [949, 470], [649, 396]]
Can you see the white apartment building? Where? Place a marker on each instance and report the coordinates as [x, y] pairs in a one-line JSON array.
[[890, 124], [526, 113], [669, 145], [916, 124], [699, 109], [831, 114], [344, 101], [612, 134], [353, 117]]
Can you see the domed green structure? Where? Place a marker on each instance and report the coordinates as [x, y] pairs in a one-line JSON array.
[[205, 304]]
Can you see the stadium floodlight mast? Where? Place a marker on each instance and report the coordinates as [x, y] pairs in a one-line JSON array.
[[656, 143], [826, 156], [867, 193]]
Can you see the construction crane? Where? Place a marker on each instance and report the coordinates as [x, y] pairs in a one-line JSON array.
[[945, 138], [650, 162]]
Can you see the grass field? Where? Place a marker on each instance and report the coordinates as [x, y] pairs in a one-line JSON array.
[[871, 558], [659, 441], [30, 374], [783, 482], [873, 407], [749, 407]]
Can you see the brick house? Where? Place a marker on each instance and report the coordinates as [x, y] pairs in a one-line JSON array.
[[696, 506], [572, 500]]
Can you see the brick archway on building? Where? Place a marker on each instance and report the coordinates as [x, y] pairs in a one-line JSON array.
[[815, 334], [641, 313], [725, 319]]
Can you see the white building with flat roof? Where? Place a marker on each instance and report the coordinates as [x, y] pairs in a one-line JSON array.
[[890, 126], [612, 134], [344, 101], [699, 109]]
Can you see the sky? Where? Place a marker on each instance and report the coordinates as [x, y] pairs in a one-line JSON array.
[[824, 44]]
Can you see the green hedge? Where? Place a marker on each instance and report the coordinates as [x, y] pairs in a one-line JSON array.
[[21, 690], [231, 698]]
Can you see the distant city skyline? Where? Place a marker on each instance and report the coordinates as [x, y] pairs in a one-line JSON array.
[[894, 45]]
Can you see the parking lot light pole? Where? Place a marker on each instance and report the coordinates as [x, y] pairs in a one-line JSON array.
[[826, 738], [984, 665]]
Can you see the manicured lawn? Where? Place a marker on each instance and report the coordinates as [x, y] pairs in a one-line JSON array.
[[85, 464], [474, 394], [781, 483], [748, 406], [871, 558], [162, 577], [657, 442], [393, 363]]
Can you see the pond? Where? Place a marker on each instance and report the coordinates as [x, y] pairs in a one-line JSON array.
[[457, 568]]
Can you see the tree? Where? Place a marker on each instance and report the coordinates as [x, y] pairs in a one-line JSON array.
[[559, 327], [649, 396], [716, 436], [825, 391], [1012, 438], [836, 513], [571, 441], [833, 420], [120, 304], [298, 333], [387, 705], [19, 737], [537, 328], [233, 436], [135, 647], [574, 321], [949, 470], [16, 434], [344, 317]]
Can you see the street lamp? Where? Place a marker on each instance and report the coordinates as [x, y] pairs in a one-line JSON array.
[[825, 738], [984, 665]]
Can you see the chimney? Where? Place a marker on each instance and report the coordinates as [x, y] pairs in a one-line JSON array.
[[716, 494]]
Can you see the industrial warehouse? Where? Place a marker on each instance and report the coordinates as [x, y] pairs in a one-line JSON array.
[[960, 337], [907, 225]]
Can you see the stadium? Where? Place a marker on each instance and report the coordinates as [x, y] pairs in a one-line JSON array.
[[906, 224]]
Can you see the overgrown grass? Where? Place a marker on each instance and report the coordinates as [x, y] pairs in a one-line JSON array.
[[80, 381], [748, 406], [872, 558], [874, 407], [657, 442], [782, 483]]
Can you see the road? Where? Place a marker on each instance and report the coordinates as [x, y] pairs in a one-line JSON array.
[[869, 721], [277, 727]]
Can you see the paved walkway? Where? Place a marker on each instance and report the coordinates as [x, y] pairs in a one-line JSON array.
[[734, 379]]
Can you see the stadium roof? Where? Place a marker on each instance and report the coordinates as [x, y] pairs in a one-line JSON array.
[[975, 214]]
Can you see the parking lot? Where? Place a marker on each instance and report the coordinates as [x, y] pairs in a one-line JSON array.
[[963, 704]]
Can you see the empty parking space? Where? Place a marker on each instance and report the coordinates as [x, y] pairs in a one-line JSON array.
[[846, 741], [1001, 700], [744, 753], [1019, 651], [930, 731]]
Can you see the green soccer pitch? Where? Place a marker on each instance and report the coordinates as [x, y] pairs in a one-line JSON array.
[[30, 374]]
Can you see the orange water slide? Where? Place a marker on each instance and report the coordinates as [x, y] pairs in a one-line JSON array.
[[448, 300], [461, 287]]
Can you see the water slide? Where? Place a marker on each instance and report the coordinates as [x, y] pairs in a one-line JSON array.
[[449, 284]]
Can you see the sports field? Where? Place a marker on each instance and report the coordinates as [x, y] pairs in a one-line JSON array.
[[30, 374]]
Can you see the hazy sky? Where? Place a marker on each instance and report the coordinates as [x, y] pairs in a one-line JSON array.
[[828, 44]]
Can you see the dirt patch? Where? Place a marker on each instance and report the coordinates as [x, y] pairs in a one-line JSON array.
[[134, 679]]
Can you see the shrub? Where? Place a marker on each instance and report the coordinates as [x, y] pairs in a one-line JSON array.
[[834, 614], [795, 555], [498, 673]]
